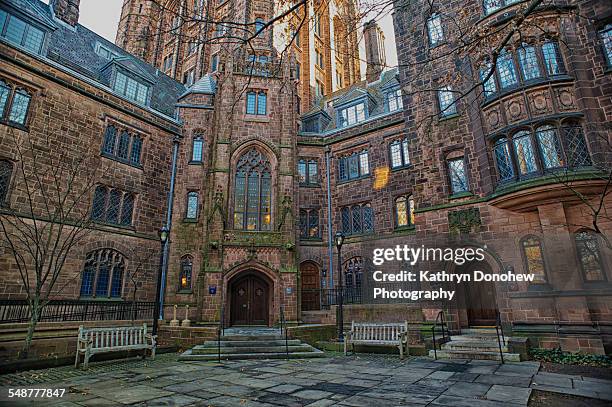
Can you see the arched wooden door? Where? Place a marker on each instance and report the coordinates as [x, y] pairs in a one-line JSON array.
[[310, 286], [480, 300], [249, 301]]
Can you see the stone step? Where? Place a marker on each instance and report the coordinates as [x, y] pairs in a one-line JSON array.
[[188, 355], [475, 338], [248, 344], [275, 337], [466, 354], [478, 331], [205, 350], [475, 346]]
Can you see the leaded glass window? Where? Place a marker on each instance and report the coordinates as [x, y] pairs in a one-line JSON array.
[[357, 219], [525, 155], [506, 70], [489, 86], [21, 33], [404, 211], [127, 209], [262, 103], [114, 206], [492, 5], [256, 103], [102, 274], [253, 192], [394, 100], [5, 91], [529, 62], [19, 107], [364, 165], [398, 151], [98, 207], [503, 160], [124, 145], [192, 205], [197, 149], [553, 61], [534, 261], [457, 175], [576, 147], [368, 218], [345, 214], [6, 172], [110, 139], [589, 256], [434, 29], [606, 41], [351, 115], [309, 224], [131, 88], [353, 277], [186, 273], [136, 150], [549, 147], [446, 101], [353, 166]]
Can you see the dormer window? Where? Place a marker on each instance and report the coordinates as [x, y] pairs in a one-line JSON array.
[[105, 52], [20, 33], [351, 115], [131, 88], [394, 100]]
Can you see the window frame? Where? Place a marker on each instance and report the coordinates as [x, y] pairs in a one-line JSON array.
[[357, 211], [451, 110], [95, 258], [190, 194], [439, 29], [404, 151], [264, 199], [256, 105], [310, 213], [185, 269], [449, 170], [133, 135], [103, 216], [600, 258], [346, 108], [522, 241], [197, 139], [6, 111], [607, 57], [26, 31], [308, 162], [345, 161], [410, 217]]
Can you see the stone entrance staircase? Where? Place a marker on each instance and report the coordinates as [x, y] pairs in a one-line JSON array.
[[249, 343], [475, 343]]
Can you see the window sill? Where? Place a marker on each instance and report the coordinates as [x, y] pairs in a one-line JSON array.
[[346, 181], [260, 118], [401, 167], [459, 195], [310, 185], [190, 220], [404, 228], [436, 45], [184, 292], [121, 160], [114, 225], [310, 239], [15, 125], [446, 117], [195, 163]]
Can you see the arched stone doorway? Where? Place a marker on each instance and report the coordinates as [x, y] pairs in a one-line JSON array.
[[310, 286], [250, 298]]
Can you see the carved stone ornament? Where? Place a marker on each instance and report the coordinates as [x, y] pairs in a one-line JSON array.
[[464, 221]]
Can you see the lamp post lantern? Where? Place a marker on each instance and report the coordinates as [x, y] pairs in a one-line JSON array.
[[339, 240], [163, 238]]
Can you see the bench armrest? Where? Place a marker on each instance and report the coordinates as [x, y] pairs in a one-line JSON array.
[[348, 335], [403, 337], [153, 339]]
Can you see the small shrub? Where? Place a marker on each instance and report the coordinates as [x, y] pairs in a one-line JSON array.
[[556, 355]]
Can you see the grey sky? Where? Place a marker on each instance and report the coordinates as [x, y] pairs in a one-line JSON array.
[[102, 17]]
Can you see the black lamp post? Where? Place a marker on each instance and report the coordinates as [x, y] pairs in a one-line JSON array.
[[163, 238], [339, 240]]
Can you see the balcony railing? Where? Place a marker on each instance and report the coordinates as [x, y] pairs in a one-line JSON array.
[[14, 311]]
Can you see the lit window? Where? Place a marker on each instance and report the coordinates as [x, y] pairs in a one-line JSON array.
[[529, 62], [394, 100], [506, 70], [404, 211], [309, 224], [398, 151], [534, 261], [457, 175], [606, 42], [589, 256], [192, 205], [446, 100], [256, 103], [525, 156], [197, 149], [185, 275], [253, 192], [552, 59], [434, 29]]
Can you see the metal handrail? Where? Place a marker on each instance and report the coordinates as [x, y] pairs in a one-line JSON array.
[[499, 328], [283, 325], [445, 334], [220, 332]]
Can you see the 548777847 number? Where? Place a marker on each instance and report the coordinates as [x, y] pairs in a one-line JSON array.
[[36, 393]]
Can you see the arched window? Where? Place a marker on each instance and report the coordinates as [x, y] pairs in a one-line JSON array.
[[549, 146], [253, 192], [531, 247], [186, 273], [525, 155], [103, 274], [6, 172], [589, 256], [192, 205], [353, 278], [404, 211]]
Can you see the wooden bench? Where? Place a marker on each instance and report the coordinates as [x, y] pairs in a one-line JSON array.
[[378, 334], [103, 340]]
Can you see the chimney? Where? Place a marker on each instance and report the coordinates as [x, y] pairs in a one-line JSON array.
[[375, 50], [66, 10]]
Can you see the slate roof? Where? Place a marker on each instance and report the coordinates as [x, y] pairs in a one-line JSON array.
[[374, 91], [76, 50], [205, 85]]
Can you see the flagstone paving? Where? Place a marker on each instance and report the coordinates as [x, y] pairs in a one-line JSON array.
[[356, 381]]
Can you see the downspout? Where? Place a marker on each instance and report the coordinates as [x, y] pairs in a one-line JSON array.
[[168, 225], [330, 237]]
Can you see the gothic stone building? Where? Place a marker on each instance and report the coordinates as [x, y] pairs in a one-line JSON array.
[[511, 165]]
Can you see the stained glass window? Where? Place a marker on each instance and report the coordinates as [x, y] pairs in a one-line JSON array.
[[532, 252], [549, 147], [589, 256], [525, 156], [253, 192], [404, 211]]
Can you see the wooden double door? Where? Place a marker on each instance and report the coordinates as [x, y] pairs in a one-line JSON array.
[[249, 301]]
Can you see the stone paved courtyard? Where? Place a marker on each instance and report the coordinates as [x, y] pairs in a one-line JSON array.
[[358, 381]]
